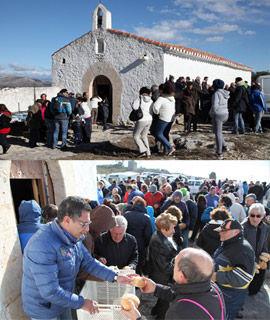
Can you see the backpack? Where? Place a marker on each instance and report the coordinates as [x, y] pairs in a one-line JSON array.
[[56, 106]]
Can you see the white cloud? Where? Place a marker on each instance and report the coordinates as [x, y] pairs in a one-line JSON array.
[[151, 9], [214, 39], [216, 29], [15, 66], [250, 33]]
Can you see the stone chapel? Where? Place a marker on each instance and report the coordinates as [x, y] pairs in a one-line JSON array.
[[117, 64]]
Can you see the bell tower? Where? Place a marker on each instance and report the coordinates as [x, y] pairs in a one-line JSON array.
[[101, 18]]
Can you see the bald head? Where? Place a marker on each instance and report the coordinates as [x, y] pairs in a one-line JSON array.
[[195, 265]]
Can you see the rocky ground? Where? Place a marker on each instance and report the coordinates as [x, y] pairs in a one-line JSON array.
[[118, 143]]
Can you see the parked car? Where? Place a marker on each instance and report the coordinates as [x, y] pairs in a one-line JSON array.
[[194, 186]]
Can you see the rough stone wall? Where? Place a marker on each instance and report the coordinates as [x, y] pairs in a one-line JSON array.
[[19, 99], [10, 252], [122, 53], [73, 178], [182, 66]]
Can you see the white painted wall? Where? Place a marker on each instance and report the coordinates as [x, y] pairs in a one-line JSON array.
[[182, 66], [21, 98]]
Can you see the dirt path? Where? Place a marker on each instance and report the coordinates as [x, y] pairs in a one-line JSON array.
[[118, 143]]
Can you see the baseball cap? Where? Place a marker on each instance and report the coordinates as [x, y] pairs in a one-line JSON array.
[[229, 224]]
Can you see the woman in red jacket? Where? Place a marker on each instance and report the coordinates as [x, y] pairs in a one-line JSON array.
[[5, 118]]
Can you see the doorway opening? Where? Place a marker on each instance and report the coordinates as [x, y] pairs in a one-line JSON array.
[[103, 87], [26, 189]]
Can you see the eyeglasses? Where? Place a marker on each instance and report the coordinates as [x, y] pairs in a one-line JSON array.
[[255, 215], [84, 225]]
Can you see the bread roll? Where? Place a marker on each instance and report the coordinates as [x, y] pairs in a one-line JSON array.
[[263, 258], [125, 301], [263, 265], [127, 268], [265, 254], [115, 268], [138, 282]]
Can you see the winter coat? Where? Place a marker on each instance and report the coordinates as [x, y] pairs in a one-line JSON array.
[[258, 190], [257, 237], [139, 225], [30, 217], [240, 98], [154, 200], [50, 264], [121, 254], [219, 102], [235, 268], [5, 118], [237, 210], [212, 201], [64, 104], [150, 212], [145, 102], [193, 213], [209, 239], [161, 253], [193, 301], [257, 101], [188, 102], [135, 193], [164, 107], [84, 111], [34, 118]]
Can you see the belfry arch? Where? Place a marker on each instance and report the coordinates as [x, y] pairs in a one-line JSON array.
[[103, 74]]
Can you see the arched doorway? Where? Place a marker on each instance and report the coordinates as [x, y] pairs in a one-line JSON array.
[[103, 87]]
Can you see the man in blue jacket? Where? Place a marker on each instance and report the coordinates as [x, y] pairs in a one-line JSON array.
[[51, 262]]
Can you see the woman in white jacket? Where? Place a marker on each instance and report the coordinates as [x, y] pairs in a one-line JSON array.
[[85, 115], [142, 126], [220, 114], [164, 107]]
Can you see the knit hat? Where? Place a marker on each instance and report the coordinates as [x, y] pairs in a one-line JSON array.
[[218, 84], [184, 191], [153, 188], [229, 224], [177, 193]]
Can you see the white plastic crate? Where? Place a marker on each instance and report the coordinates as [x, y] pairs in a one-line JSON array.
[[108, 296], [106, 312]]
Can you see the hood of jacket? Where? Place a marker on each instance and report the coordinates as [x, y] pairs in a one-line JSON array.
[[240, 83], [150, 211], [103, 219], [224, 93], [232, 197], [170, 97], [177, 193], [30, 211]]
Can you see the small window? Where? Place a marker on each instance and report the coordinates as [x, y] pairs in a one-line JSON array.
[[100, 46], [63, 61]]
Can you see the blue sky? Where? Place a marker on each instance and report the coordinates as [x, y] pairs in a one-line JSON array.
[[31, 30]]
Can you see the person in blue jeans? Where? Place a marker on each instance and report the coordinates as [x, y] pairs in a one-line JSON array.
[[61, 118], [258, 106], [164, 107]]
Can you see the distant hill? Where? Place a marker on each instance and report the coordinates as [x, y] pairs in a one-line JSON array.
[[14, 82]]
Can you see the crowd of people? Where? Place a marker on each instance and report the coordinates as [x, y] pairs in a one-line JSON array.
[[206, 250], [158, 108]]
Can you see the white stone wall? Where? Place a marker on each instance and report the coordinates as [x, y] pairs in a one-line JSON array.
[[10, 252], [121, 52], [181, 66], [19, 99]]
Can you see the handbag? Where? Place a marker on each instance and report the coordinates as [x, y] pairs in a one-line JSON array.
[[136, 115]]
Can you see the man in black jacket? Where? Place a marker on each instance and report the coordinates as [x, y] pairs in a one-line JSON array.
[[193, 296], [116, 247], [239, 105]]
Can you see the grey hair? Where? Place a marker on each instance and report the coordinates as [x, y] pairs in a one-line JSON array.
[[121, 222], [259, 207], [251, 196], [193, 265]]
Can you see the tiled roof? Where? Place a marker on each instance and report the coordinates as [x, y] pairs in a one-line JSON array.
[[175, 48], [185, 50]]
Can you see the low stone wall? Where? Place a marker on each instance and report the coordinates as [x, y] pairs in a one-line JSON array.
[[19, 99]]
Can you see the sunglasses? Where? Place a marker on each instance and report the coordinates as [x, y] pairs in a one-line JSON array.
[[255, 215]]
